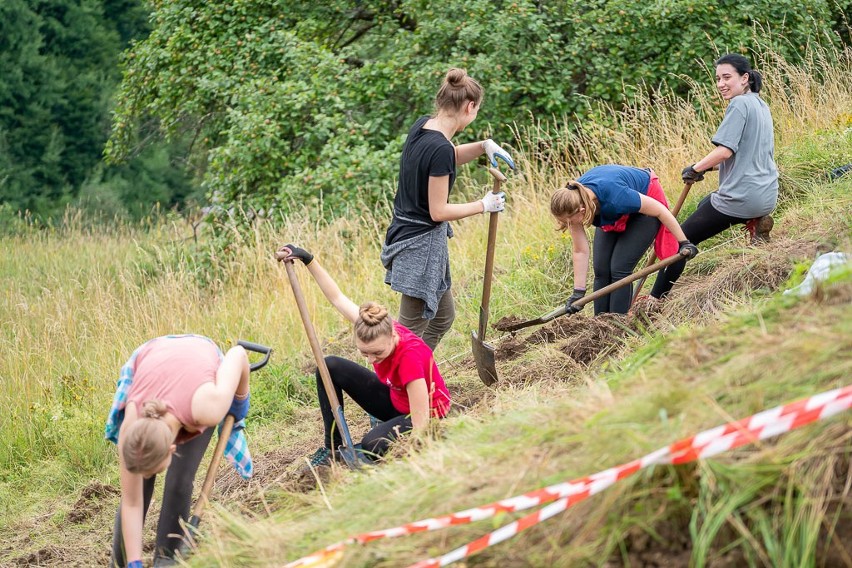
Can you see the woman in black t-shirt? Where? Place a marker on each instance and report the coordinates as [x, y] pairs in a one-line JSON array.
[[415, 249]]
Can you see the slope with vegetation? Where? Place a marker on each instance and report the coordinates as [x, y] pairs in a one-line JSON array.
[[575, 397]]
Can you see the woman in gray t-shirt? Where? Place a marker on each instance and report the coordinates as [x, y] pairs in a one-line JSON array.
[[748, 179]]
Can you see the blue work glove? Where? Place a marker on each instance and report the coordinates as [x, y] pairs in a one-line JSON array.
[[294, 252], [570, 308], [493, 151], [493, 202], [239, 408], [687, 249], [135, 564], [689, 174]]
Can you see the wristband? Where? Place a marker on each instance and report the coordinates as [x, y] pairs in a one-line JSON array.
[[135, 564]]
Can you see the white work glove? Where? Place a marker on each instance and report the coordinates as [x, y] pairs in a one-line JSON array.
[[493, 151], [493, 202]]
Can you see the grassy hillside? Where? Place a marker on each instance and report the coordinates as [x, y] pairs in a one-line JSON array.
[[575, 397]]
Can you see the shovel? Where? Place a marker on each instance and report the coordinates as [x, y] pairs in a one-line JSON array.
[[483, 353], [686, 186], [351, 457], [595, 295], [218, 452]]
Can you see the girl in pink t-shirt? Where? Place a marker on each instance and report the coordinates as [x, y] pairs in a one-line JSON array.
[[179, 386], [404, 390]]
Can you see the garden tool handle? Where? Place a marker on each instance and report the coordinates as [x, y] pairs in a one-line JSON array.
[[327, 384], [312, 334], [257, 348], [499, 178], [628, 279], [687, 185], [224, 434]]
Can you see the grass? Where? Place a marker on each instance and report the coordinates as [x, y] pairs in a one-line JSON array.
[[77, 300]]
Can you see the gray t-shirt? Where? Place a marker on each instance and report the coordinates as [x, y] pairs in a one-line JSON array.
[[748, 180]]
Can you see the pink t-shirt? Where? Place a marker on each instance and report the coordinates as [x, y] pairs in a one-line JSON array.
[[171, 369], [411, 360]]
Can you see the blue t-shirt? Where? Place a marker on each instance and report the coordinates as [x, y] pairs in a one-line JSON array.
[[617, 189]]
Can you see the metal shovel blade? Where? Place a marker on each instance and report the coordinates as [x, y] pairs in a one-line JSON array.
[[352, 457], [483, 356]]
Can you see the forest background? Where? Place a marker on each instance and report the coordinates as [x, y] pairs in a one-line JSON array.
[[121, 108]]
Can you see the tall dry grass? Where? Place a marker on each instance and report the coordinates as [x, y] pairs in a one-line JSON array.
[[77, 301]]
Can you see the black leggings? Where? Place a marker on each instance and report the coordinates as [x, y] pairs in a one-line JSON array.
[[177, 495], [371, 394], [704, 223], [616, 255]]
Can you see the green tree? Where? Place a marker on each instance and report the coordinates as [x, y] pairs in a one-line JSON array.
[[58, 61], [58, 73], [312, 103]]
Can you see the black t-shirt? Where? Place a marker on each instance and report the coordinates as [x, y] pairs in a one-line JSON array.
[[425, 153]]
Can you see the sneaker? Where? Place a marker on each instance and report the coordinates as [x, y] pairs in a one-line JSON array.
[[759, 229], [322, 457]]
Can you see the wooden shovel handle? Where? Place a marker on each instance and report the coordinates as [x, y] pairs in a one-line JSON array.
[[312, 339], [214, 465], [499, 178], [628, 279]]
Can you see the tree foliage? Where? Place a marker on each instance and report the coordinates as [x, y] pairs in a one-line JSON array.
[[58, 73], [293, 106]]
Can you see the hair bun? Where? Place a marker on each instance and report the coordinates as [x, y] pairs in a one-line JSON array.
[[153, 409], [455, 76], [372, 313]]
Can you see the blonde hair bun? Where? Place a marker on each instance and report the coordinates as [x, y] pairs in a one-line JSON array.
[[372, 313], [457, 90], [148, 440], [154, 409]]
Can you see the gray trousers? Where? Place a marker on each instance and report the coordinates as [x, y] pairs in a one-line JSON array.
[[433, 330]]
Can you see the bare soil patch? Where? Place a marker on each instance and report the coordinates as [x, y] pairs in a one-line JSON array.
[[92, 500]]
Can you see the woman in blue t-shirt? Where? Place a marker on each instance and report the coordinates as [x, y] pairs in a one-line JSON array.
[[748, 178], [627, 206], [415, 251]]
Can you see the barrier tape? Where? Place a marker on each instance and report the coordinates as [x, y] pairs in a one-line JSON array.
[[706, 444]]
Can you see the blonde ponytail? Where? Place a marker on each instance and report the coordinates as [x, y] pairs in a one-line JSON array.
[[568, 200]]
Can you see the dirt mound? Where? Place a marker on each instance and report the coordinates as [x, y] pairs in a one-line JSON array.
[[581, 338], [506, 322], [92, 499], [467, 395], [49, 555]]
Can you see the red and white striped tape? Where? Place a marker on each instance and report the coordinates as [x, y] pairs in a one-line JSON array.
[[562, 495]]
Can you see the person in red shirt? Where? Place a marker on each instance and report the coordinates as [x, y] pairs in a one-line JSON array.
[[405, 389]]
